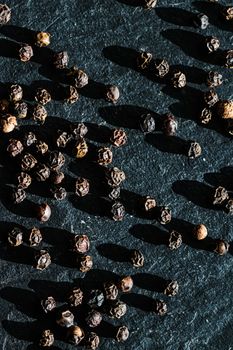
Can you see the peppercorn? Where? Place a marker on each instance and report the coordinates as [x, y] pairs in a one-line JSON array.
[[205, 116], [29, 139], [82, 187], [35, 237], [125, 284], [201, 21], [15, 93], [42, 172], [229, 206], [212, 43], [43, 212], [150, 4], [72, 95], [118, 211], [175, 240], [118, 137], [93, 318], [65, 319], [225, 109], [171, 288], [75, 335], [59, 193], [110, 290], [160, 307], [214, 79], [228, 59], [160, 68], [178, 79], [112, 93], [221, 247], [227, 13], [104, 156], [95, 298], [62, 139], [18, 195], [4, 105], [144, 60], [81, 148], [194, 149], [61, 60], [122, 334], [48, 304], [41, 147], [42, 96], [15, 237], [56, 160], [147, 123], [47, 338], [200, 232], [170, 124], [43, 259], [117, 309], [8, 123], [24, 180], [137, 258], [75, 298], [114, 193], [57, 177], [79, 130], [20, 109], [42, 39], [92, 341], [220, 195], [28, 162], [79, 77], [81, 244], [148, 203], [5, 14], [25, 53], [85, 263], [211, 97], [39, 113], [114, 176], [165, 215], [14, 147]]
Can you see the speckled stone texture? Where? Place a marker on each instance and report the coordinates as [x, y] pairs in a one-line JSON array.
[[102, 37]]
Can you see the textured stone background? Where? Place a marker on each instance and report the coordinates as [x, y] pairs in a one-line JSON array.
[[101, 37]]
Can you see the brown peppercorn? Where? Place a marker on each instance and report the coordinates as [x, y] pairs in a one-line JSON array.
[[148, 203], [95, 298], [137, 258], [47, 338], [39, 113], [178, 80], [229, 206], [115, 176], [211, 97], [82, 187], [170, 125], [28, 162], [5, 14], [29, 139], [81, 244], [79, 130], [15, 237], [75, 335], [110, 290], [72, 95], [4, 105], [75, 298], [227, 13], [18, 195], [144, 60], [214, 79], [118, 211], [147, 123], [165, 215], [212, 43], [160, 307], [117, 309], [175, 240], [93, 318], [8, 123], [65, 319], [122, 334], [25, 53], [112, 93], [220, 195], [125, 284], [194, 149], [43, 259], [42, 172], [43, 212], [57, 177], [221, 247], [200, 232], [118, 137], [20, 109], [205, 116], [48, 304], [160, 68], [225, 109], [42, 39], [24, 180], [41, 147], [42, 96], [35, 237], [104, 156], [171, 288], [81, 148], [228, 59], [15, 93], [61, 60], [85, 263], [79, 77], [150, 4], [63, 138], [56, 160], [14, 147], [92, 341], [59, 193]]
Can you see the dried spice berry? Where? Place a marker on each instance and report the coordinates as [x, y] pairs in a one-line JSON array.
[[5, 14], [148, 203], [81, 244], [59, 193], [122, 334], [147, 123], [63, 138], [15, 93], [18, 195], [228, 59], [15, 237], [56, 160], [41, 147], [39, 113], [48, 304], [79, 77], [28, 162], [43, 212], [220, 195], [8, 123], [200, 232], [93, 318], [118, 211], [229, 206], [171, 288], [211, 97], [81, 148], [14, 147], [47, 338], [25, 53], [35, 237], [137, 258], [79, 130], [221, 247], [85, 263], [143, 60], [165, 215], [178, 80], [75, 335], [118, 137], [95, 298], [4, 105], [42, 96], [92, 341], [65, 319], [42, 172], [125, 284], [61, 60], [57, 177], [112, 93], [170, 125], [214, 79], [225, 109], [194, 149], [227, 13], [110, 290], [72, 95], [42, 39], [29, 139], [43, 259], [175, 240], [160, 68], [20, 109], [150, 4], [115, 176], [205, 116], [212, 43], [75, 298], [201, 21], [24, 180], [104, 156], [117, 309], [114, 193], [160, 307], [82, 187]]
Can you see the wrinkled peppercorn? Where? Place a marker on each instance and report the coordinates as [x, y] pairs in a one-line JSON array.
[[170, 124], [212, 43], [214, 79], [175, 240], [14, 147], [47, 338], [114, 193], [221, 247], [115, 176], [5, 14], [79, 77], [150, 4], [160, 307], [110, 290], [211, 97], [43, 259], [75, 298], [125, 284], [81, 244], [194, 150], [29, 139], [57, 177], [15, 237], [8, 123], [200, 232], [28, 162], [220, 195], [72, 95], [82, 187], [65, 319], [117, 309], [104, 156], [147, 123], [18, 195], [160, 68], [24, 180], [178, 80], [20, 109], [118, 137], [79, 130], [205, 116], [95, 298], [171, 288], [201, 21], [75, 335], [148, 203], [85, 263], [227, 13], [224, 109], [118, 211], [56, 160], [15, 93], [143, 60], [42, 172], [164, 216], [43, 212], [63, 138], [92, 341], [39, 113], [229, 206], [228, 59], [42, 39], [93, 318], [48, 304], [122, 334], [137, 258], [81, 148], [42, 96], [61, 60], [25, 53], [35, 237], [41, 147], [59, 193], [112, 93]]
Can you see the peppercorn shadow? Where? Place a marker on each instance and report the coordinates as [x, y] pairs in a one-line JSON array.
[[150, 233], [89, 205], [95, 278], [27, 331], [56, 90], [106, 330], [150, 282], [168, 144], [20, 34], [114, 252], [138, 301], [45, 288], [134, 3], [93, 89], [9, 48], [176, 16], [98, 133], [222, 178]]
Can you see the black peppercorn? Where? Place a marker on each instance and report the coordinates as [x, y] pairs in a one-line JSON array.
[[115, 176], [35, 237], [43, 259], [212, 43], [61, 60], [214, 79], [112, 93], [20, 109], [143, 60], [93, 318], [147, 123], [75, 335], [205, 116], [227, 13], [117, 309], [78, 76], [29, 139], [57, 177], [8, 123], [211, 97], [15, 237], [229, 206], [193, 149], [160, 68], [150, 4], [59, 193], [118, 137], [148, 203], [18, 195], [48, 304], [56, 160], [118, 211], [164, 216], [201, 21], [137, 258], [110, 290], [178, 80], [72, 95], [82, 187], [75, 298], [43, 212], [175, 240], [42, 96], [114, 193], [171, 288], [81, 148], [85, 263], [81, 244], [104, 156], [125, 284], [39, 113], [42, 172], [160, 307], [221, 247], [220, 195], [5, 14], [47, 338], [63, 138], [14, 147], [170, 124], [24, 180], [122, 334], [28, 162], [65, 319], [15, 93], [79, 130], [95, 298], [92, 341], [41, 147], [42, 39], [25, 53], [228, 59]]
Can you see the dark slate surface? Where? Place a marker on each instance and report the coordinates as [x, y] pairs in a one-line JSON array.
[[101, 36]]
